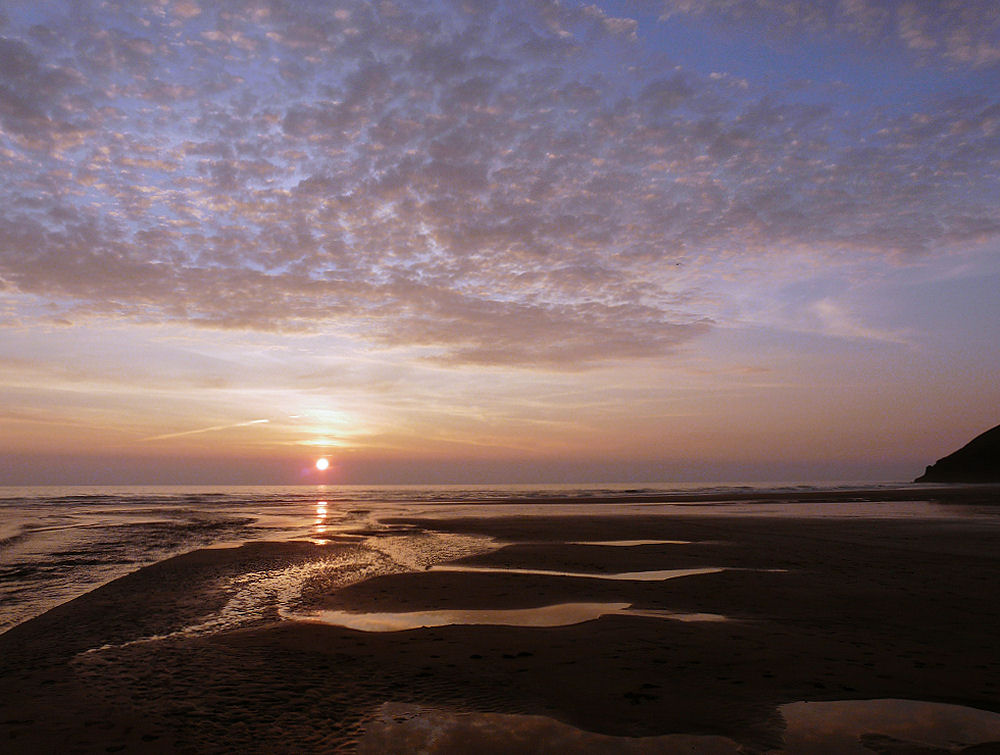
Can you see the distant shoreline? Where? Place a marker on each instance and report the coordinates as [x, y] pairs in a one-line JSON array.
[[948, 493]]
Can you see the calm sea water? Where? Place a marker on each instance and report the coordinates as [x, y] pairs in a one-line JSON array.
[[59, 543]]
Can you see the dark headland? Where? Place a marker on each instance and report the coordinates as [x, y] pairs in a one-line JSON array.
[[977, 461]]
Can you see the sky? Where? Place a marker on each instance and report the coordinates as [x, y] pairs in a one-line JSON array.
[[467, 241]]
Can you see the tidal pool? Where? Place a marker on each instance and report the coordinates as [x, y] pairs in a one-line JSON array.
[[629, 543], [632, 576], [558, 615], [847, 727]]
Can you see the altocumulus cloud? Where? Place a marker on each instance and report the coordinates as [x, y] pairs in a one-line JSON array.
[[489, 182], [965, 32]]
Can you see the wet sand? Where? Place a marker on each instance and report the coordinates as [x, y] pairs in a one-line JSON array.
[[819, 609]]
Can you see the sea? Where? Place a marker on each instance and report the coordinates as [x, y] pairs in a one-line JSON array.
[[57, 543]]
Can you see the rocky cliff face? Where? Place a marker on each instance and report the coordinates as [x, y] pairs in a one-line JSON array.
[[977, 461]]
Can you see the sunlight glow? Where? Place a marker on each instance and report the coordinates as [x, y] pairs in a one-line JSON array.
[[322, 464]]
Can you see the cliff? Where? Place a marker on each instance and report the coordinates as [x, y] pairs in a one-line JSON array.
[[977, 461]]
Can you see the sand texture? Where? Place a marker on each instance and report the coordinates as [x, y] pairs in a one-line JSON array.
[[820, 610]]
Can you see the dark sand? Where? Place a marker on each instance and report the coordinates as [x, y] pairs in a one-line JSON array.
[[847, 609]]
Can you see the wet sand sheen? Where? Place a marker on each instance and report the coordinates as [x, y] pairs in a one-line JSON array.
[[822, 610]]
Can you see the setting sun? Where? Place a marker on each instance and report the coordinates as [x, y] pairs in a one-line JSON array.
[[322, 464]]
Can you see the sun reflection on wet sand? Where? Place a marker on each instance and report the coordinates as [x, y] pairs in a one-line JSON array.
[[320, 527]]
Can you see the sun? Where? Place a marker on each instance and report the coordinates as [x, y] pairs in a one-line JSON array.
[[322, 464]]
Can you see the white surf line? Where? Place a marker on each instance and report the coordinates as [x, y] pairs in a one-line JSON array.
[[632, 576]]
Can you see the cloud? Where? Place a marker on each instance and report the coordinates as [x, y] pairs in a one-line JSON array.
[[213, 428], [513, 183], [963, 32], [35, 104], [839, 322]]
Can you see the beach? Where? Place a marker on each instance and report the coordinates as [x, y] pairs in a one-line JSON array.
[[673, 626]]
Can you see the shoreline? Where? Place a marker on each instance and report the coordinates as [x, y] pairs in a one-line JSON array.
[[986, 493], [817, 609]]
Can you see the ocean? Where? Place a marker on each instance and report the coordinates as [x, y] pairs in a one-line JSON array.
[[57, 543]]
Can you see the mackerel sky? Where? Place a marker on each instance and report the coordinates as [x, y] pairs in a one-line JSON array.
[[496, 241]]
